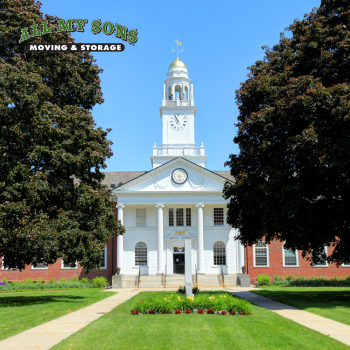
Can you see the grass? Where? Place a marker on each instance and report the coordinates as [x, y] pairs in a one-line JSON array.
[[330, 302], [23, 310], [263, 330]]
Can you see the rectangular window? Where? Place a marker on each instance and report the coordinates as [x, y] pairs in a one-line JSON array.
[[218, 216], [260, 254], [179, 217], [188, 216], [69, 265], [290, 258], [104, 258], [323, 262], [40, 266], [171, 217], [140, 217]]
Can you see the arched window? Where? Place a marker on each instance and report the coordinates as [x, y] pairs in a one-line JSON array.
[[219, 253], [141, 254], [261, 256], [290, 258]]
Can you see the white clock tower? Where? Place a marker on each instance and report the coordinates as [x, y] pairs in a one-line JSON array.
[[178, 112]]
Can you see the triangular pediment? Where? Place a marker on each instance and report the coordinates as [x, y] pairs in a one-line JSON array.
[[160, 179]]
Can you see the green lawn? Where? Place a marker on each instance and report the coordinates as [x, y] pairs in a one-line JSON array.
[[330, 302], [23, 310], [263, 330]]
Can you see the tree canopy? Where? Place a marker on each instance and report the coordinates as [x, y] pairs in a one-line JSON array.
[[293, 170], [52, 202]]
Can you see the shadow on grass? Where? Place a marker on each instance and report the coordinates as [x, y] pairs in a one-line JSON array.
[[22, 300], [304, 299]]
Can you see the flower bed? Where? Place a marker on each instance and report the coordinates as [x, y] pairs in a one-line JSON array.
[[203, 303]]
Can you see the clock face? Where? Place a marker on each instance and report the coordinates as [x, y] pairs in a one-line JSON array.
[[179, 176], [178, 121]]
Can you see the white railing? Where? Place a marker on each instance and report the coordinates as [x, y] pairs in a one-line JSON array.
[[178, 103], [175, 151]]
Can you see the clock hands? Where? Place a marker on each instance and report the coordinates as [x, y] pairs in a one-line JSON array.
[[176, 119]]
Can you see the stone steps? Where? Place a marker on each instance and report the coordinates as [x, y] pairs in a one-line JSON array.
[[174, 281]]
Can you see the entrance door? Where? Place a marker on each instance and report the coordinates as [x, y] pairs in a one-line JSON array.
[[179, 263]]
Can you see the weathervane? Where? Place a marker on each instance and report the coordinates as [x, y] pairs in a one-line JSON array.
[[177, 47]]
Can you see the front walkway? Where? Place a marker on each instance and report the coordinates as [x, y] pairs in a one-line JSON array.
[[336, 330], [45, 336]]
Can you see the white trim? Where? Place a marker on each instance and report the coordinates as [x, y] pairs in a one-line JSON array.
[[219, 240], [6, 268], [267, 255], [39, 268], [105, 249], [345, 265], [69, 268], [317, 266], [283, 258]]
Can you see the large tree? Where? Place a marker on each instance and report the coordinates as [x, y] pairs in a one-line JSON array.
[[293, 170], [48, 140]]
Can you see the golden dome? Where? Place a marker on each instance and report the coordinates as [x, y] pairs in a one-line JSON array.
[[177, 63]]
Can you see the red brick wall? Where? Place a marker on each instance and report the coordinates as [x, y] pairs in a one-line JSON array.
[[276, 265], [55, 271]]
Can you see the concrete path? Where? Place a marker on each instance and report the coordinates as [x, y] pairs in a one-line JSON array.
[[46, 335], [336, 330]]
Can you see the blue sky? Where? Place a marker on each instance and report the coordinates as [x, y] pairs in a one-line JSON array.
[[220, 39]]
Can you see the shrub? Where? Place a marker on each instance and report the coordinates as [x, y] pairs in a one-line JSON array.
[[263, 280], [74, 279], [346, 278], [99, 282], [51, 281], [300, 278], [62, 280], [5, 280], [277, 278], [290, 277], [85, 280], [27, 280], [40, 280]]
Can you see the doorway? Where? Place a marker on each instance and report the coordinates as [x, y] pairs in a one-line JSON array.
[[179, 263]]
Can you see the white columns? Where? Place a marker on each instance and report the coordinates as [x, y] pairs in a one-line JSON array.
[[200, 207], [160, 267], [240, 256], [120, 240]]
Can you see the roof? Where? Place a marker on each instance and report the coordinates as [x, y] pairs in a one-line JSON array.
[[125, 176]]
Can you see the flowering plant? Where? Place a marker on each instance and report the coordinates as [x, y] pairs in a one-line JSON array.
[[178, 311], [188, 312], [210, 311], [244, 313], [212, 297], [223, 312], [133, 312], [190, 298], [200, 311], [233, 312], [151, 312], [3, 283]]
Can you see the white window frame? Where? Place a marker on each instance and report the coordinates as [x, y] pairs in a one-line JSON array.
[[225, 250], [145, 217], [105, 267], [283, 257], [69, 268], [318, 266], [140, 266], [345, 265], [184, 216], [267, 256], [223, 216], [39, 268]]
